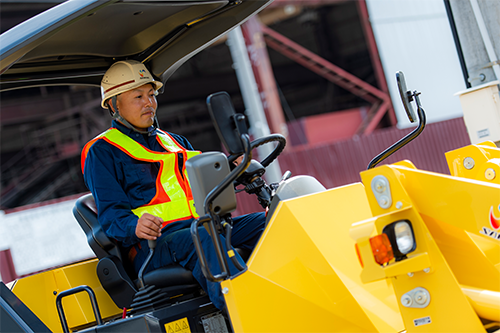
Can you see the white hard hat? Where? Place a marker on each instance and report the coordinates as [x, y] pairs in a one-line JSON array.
[[123, 76]]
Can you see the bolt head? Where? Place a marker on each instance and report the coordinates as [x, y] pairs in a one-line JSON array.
[[380, 185], [421, 297], [410, 274], [469, 163], [399, 205], [225, 290], [489, 174], [427, 270], [406, 300]]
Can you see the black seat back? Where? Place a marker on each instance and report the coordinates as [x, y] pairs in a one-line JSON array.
[[111, 269], [85, 212], [115, 279]]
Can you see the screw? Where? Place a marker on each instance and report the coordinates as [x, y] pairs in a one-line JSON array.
[[225, 291], [427, 270], [406, 300], [490, 174], [469, 163], [410, 274], [380, 185], [54, 292], [399, 204], [421, 297], [383, 201]]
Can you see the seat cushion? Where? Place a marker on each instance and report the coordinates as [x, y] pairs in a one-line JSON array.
[[169, 276]]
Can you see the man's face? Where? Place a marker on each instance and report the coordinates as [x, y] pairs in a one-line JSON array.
[[138, 106]]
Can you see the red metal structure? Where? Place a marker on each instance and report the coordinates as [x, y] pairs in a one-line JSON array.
[[7, 269], [263, 72], [380, 100], [375, 57]]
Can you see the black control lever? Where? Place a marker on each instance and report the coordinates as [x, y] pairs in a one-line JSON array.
[[152, 246]]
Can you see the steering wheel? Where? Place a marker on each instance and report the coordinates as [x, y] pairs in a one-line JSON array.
[[280, 139]]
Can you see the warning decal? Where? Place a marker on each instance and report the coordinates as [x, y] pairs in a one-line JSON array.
[[178, 326]]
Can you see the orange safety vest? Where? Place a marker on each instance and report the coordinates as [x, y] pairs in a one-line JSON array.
[[173, 200]]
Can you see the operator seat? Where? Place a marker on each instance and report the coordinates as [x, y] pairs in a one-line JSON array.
[[115, 273]]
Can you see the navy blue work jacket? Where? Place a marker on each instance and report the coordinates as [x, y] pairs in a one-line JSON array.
[[120, 183]]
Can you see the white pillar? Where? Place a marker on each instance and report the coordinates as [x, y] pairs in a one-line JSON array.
[[251, 97]]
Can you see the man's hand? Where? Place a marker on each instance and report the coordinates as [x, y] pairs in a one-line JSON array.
[[148, 227]]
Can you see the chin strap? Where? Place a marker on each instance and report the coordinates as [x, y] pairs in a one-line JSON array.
[[116, 115]]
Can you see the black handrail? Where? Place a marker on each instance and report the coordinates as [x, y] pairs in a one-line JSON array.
[[73, 291]]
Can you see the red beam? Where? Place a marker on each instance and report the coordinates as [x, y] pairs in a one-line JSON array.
[[322, 66], [7, 269], [380, 100], [374, 55], [263, 72]]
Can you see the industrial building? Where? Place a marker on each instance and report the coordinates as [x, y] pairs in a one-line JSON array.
[[320, 76]]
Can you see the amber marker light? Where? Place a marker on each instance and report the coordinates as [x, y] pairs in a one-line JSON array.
[[382, 249]]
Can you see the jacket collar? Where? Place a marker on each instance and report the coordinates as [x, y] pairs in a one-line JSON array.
[[127, 131]]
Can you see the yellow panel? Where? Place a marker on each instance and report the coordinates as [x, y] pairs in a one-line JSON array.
[[451, 206], [453, 203], [304, 273], [39, 293], [483, 156]]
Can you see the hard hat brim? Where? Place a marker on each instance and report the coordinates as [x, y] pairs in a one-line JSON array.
[[131, 86]]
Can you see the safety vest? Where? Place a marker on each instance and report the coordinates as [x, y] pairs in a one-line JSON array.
[[173, 200]]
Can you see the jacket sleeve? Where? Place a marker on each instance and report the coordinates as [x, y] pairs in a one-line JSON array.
[[102, 175]]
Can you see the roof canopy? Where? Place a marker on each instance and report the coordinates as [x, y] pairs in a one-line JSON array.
[[75, 42]]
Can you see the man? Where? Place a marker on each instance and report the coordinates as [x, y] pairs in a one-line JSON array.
[[136, 174]]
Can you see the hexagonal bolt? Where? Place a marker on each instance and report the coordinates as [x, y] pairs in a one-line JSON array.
[[489, 174], [421, 297], [384, 201], [406, 300], [380, 185], [469, 163]]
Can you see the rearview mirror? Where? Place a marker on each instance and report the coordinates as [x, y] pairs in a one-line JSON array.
[[228, 124], [406, 96]]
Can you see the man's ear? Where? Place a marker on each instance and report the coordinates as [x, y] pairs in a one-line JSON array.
[[110, 107]]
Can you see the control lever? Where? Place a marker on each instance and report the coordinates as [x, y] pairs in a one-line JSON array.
[[152, 246], [286, 175]]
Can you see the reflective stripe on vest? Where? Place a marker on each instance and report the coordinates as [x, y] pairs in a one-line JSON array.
[[173, 200]]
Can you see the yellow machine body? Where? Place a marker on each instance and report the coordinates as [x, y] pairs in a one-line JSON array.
[[457, 248], [39, 293], [305, 274]]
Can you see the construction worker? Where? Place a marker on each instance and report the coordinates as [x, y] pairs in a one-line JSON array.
[[136, 174]]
